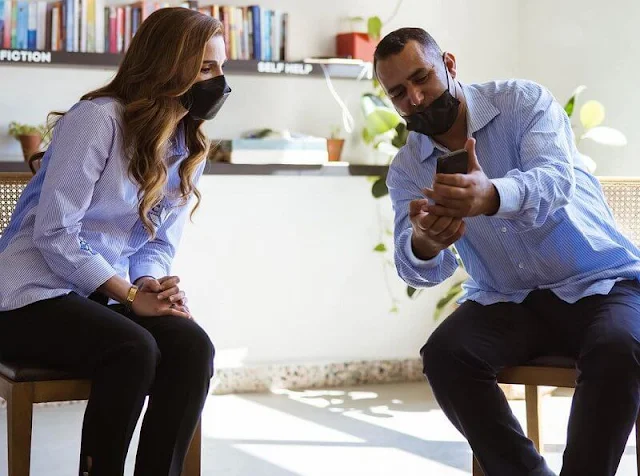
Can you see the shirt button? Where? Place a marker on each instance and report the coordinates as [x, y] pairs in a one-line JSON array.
[[520, 265], [503, 229]]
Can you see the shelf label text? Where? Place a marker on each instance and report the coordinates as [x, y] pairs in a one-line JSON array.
[[286, 68], [24, 56]]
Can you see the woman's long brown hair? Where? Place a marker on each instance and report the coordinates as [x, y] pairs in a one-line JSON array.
[[162, 62]]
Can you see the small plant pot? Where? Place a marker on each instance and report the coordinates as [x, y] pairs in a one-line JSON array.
[[355, 45], [30, 144], [334, 148]]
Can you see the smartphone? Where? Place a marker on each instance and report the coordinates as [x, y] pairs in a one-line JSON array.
[[456, 162]]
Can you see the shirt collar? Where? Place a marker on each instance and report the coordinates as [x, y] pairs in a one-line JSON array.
[[480, 112]]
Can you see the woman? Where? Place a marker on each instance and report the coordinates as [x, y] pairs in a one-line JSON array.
[[100, 222]]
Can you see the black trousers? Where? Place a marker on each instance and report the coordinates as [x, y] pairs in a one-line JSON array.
[[465, 353], [127, 357]]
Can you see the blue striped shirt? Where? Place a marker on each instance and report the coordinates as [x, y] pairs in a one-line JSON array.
[[553, 229], [76, 224]]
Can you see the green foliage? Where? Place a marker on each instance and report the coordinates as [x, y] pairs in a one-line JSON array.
[[379, 188], [374, 27], [17, 129], [380, 248], [453, 293]]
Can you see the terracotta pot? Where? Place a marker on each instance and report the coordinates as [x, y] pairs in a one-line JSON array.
[[334, 147], [355, 45], [30, 144]]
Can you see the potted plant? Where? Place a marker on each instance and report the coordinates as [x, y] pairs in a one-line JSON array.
[[362, 44], [359, 44], [30, 137], [335, 144]]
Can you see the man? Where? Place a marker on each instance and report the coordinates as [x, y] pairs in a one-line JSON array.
[[549, 271]]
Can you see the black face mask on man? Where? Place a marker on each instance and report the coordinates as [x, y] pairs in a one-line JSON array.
[[205, 98], [438, 117]]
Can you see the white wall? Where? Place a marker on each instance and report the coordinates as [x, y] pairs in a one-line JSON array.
[[282, 268], [567, 43]]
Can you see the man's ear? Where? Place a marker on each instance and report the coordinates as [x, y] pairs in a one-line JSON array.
[[450, 62]]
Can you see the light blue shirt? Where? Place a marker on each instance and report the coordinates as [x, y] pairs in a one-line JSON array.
[[76, 224], [553, 229]]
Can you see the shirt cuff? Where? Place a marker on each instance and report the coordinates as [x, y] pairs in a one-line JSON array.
[[148, 268], [510, 197], [93, 274], [421, 263]]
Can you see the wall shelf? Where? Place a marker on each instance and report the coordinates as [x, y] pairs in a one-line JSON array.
[[335, 68], [334, 169]]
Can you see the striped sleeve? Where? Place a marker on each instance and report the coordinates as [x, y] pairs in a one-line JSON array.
[[78, 153], [415, 272], [156, 256], [545, 181]]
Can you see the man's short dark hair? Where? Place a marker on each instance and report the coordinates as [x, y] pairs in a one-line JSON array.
[[394, 43]]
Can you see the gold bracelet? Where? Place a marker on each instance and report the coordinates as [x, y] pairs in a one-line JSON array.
[[131, 295]]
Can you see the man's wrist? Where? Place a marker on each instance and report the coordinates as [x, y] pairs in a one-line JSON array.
[[424, 255], [493, 201]]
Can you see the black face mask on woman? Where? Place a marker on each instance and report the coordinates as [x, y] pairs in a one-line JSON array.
[[205, 98], [438, 117]]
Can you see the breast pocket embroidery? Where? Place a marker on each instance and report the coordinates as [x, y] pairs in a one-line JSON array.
[[157, 215]]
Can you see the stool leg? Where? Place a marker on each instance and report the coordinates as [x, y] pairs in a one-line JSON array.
[[19, 420], [477, 470], [192, 463], [532, 402]]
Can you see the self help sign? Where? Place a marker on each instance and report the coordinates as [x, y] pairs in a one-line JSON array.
[[286, 68]]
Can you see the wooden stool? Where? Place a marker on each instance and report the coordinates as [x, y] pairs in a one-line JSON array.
[[549, 371]]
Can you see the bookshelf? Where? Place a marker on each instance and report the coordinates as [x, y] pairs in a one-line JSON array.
[[96, 33], [337, 169], [336, 68]]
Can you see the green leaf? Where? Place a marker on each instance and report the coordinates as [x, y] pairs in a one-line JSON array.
[[374, 27], [413, 292], [453, 293], [570, 106], [366, 137], [379, 118], [379, 188], [401, 135], [380, 247]]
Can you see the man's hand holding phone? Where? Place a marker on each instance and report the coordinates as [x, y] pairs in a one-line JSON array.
[[432, 233], [459, 194]]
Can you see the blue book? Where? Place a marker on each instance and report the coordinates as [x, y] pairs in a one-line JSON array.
[[69, 12], [266, 34], [22, 26], [32, 25], [135, 22], [2, 24], [257, 32]]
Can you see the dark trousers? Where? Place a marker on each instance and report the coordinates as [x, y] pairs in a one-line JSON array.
[[465, 353], [127, 357]]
